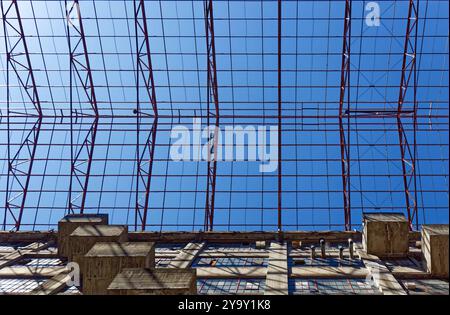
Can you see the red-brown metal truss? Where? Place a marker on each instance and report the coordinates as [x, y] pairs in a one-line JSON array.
[[212, 96], [81, 160], [408, 152], [345, 97], [20, 164], [19, 173], [145, 158], [17, 54], [365, 123]]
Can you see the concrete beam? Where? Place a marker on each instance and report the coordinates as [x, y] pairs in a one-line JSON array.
[[308, 272], [277, 271], [231, 272], [17, 255], [187, 255], [237, 237], [382, 277], [53, 285], [230, 254], [219, 237], [28, 272], [160, 281]]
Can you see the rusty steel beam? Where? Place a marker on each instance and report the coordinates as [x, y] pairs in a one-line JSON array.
[[81, 169], [17, 56], [145, 157], [212, 96], [144, 176], [343, 98], [81, 159], [408, 150], [20, 166], [20, 163]]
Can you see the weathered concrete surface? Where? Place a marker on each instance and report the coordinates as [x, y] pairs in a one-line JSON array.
[[277, 271], [70, 223], [105, 260], [435, 249], [385, 234], [162, 281], [84, 237]]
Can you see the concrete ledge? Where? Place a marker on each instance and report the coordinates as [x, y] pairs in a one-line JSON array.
[[186, 256], [218, 237], [154, 282], [231, 272], [328, 272]]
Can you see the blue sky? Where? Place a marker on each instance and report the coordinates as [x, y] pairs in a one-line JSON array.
[[246, 49]]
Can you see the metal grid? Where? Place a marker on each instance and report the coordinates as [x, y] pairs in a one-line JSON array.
[[230, 286], [17, 286], [88, 103], [241, 247], [169, 247], [331, 262], [331, 287], [6, 248], [44, 262], [230, 262], [9, 247]]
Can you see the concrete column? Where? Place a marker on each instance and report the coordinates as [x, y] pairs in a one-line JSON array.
[[435, 249], [385, 234]]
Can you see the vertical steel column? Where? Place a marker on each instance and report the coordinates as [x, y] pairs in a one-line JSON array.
[[279, 119], [20, 164], [212, 96], [408, 154], [81, 160], [345, 93], [145, 158]]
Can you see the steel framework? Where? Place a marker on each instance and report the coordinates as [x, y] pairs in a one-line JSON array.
[[408, 152], [345, 98], [20, 163], [212, 97], [344, 146], [80, 69], [144, 158]]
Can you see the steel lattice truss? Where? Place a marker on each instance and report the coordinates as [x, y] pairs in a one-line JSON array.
[[90, 92]]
